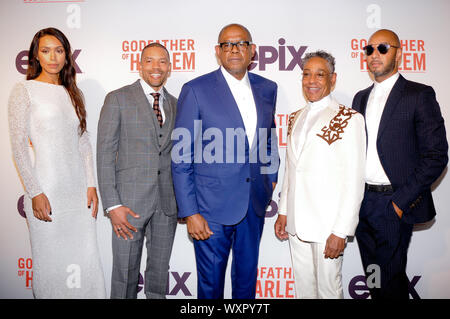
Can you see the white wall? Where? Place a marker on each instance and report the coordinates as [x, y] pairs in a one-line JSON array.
[[99, 28]]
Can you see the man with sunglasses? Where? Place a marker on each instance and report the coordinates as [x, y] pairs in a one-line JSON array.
[[223, 195], [406, 152]]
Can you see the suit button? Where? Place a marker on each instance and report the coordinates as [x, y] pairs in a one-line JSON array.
[[159, 172], [159, 153], [247, 180], [160, 135]]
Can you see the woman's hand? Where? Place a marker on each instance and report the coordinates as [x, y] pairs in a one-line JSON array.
[[92, 200], [41, 207]]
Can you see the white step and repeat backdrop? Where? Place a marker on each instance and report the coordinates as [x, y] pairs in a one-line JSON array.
[[107, 36]]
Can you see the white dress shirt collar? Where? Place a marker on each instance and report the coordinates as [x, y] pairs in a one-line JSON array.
[[306, 121], [232, 81], [387, 84], [321, 104], [148, 89]]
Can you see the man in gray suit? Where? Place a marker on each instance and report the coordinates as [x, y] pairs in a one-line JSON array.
[[134, 175]]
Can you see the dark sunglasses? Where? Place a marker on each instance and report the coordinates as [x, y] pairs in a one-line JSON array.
[[383, 48]]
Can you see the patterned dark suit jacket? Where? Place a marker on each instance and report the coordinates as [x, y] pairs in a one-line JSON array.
[[412, 145]]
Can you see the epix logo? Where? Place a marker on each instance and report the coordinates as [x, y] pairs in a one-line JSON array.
[[288, 57], [20, 206], [358, 288], [22, 61], [176, 282]]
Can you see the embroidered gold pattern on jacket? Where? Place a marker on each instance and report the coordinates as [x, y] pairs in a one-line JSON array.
[[333, 132], [291, 121]]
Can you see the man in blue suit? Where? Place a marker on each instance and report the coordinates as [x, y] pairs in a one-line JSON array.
[[406, 152], [225, 165]]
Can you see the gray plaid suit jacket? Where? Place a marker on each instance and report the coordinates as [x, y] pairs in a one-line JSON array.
[[133, 152]]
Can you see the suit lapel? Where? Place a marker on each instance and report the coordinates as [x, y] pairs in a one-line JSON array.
[[229, 104], [169, 111], [142, 103], [292, 146], [322, 121], [364, 100], [391, 104], [361, 108], [259, 104], [144, 107]]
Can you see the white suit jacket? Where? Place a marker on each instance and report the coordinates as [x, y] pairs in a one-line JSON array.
[[323, 183]]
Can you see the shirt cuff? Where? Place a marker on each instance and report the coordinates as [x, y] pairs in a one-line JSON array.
[[343, 236], [112, 207]]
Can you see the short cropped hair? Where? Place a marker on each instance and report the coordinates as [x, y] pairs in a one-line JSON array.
[[321, 54], [235, 25], [155, 44]]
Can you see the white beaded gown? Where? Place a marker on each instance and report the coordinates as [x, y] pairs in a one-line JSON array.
[[66, 260]]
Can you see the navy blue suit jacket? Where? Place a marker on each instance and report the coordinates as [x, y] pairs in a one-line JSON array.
[[412, 145], [221, 187]]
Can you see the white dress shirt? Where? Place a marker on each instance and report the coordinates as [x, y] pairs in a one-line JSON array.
[[375, 173], [243, 95], [147, 91]]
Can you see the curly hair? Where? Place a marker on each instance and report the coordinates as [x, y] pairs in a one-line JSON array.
[[321, 54]]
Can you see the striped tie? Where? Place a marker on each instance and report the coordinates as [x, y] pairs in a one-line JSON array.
[[156, 108]]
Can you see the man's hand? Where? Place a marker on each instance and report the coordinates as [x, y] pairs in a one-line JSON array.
[[280, 227], [197, 227], [398, 211], [334, 247], [120, 223]]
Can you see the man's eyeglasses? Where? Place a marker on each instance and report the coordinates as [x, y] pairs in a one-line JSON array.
[[383, 48], [228, 46]]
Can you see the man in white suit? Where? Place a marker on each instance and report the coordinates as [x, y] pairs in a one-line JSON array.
[[323, 182]]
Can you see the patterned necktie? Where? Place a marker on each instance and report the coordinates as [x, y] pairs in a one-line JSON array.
[[156, 108]]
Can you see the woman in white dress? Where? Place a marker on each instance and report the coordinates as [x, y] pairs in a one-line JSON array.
[[61, 200]]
